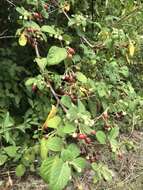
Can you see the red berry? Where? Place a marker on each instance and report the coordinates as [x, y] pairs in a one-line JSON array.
[[46, 6], [88, 140], [93, 132], [34, 87], [82, 136], [71, 51], [29, 29], [37, 15]]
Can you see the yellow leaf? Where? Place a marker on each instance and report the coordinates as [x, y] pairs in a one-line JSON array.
[[131, 49], [66, 7], [127, 58], [52, 112], [50, 116], [22, 40]]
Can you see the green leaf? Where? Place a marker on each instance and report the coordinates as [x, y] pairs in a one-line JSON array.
[[11, 151], [66, 101], [74, 149], [70, 153], [79, 164], [106, 173], [113, 133], [45, 168], [30, 81], [44, 148], [42, 62], [60, 175], [56, 55], [114, 145], [55, 144], [81, 107], [3, 159], [81, 77], [68, 128], [66, 155], [31, 24], [8, 122], [102, 171], [101, 137], [48, 29], [54, 122], [20, 170]]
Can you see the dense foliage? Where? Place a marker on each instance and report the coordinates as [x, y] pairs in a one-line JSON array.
[[71, 79]]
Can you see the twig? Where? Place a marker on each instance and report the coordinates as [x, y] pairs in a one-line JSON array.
[[83, 37], [48, 83], [5, 37], [36, 49], [3, 32], [56, 96], [11, 3]]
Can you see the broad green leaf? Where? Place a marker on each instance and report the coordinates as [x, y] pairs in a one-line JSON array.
[[7, 122], [22, 11], [79, 164], [55, 144], [42, 62], [44, 148], [54, 122], [56, 55], [74, 149], [60, 175], [3, 159], [95, 166], [20, 170], [30, 81], [45, 168], [106, 173], [70, 153], [66, 101], [113, 133], [81, 107], [66, 155], [68, 128], [11, 151], [101, 137], [114, 145], [102, 89], [32, 24], [48, 29], [81, 77]]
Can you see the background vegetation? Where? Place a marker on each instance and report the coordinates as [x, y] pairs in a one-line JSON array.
[[71, 81]]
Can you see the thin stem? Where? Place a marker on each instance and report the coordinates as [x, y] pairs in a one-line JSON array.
[[83, 37], [11, 3], [5, 37], [48, 83]]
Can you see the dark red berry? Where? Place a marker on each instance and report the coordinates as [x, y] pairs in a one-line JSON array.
[[71, 51], [34, 87], [88, 140], [46, 6], [82, 136], [93, 132], [37, 15]]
